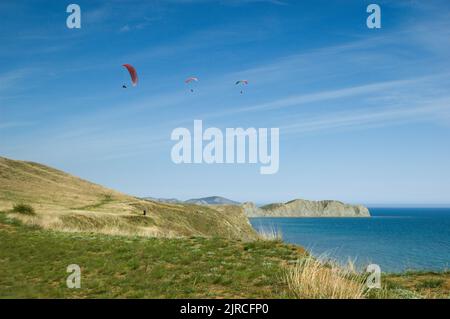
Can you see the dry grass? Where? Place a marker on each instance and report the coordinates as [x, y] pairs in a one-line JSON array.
[[64, 202], [311, 278], [93, 223], [270, 234]]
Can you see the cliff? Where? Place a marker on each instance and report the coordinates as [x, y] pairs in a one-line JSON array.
[[306, 208]]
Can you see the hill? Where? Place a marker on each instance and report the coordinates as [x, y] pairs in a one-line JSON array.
[[65, 202], [212, 200], [163, 200]]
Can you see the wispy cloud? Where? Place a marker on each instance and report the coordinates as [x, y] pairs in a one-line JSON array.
[[12, 78], [9, 125], [125, 28], [369, 118], [138, 25]]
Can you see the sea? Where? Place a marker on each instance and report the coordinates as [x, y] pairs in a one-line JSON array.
[[396, 239]]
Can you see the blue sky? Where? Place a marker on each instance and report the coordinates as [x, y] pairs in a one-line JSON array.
[[364, 115]]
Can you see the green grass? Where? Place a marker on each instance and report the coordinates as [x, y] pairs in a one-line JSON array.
[[431, 283], [414, 284], [33, 264]]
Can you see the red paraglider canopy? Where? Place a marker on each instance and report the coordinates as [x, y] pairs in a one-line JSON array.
[[133, 73]]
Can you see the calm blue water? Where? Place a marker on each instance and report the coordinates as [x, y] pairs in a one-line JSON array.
[[397, 239]]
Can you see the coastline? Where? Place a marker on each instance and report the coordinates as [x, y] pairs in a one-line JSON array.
[[398, 241]]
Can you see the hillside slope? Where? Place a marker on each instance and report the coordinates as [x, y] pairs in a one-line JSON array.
[[65, 202]]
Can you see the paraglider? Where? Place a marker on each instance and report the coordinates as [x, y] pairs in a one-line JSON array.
[[133, 75], [242, 82], [190, 80]]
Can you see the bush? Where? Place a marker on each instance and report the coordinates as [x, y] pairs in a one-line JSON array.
[[23, 209]]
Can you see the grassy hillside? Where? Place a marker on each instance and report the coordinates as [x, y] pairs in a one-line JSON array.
[[33, 264], [67, 203]]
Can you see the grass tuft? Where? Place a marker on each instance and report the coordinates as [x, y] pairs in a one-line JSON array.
[[270, 234], [310, 278]]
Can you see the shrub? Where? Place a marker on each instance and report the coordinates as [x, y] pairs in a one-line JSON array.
[[23, 209]]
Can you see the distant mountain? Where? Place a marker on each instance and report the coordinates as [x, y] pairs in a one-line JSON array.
[[306, 208], [164, 200], [212, 200]]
